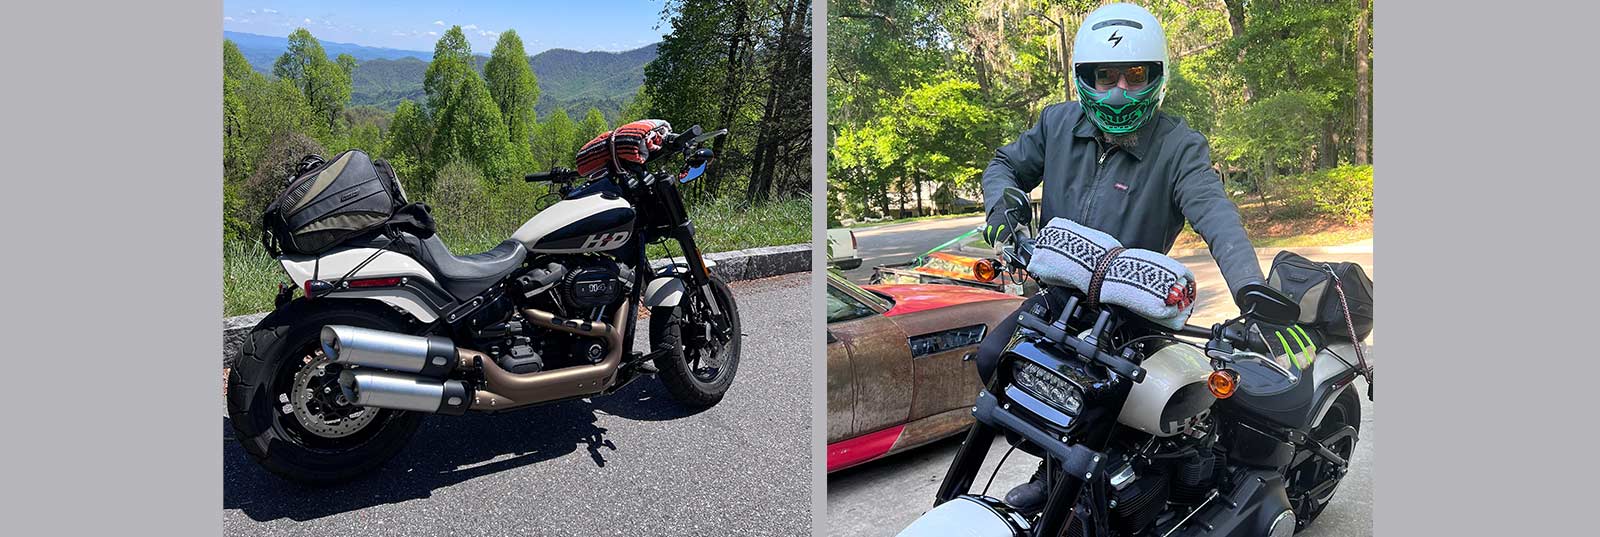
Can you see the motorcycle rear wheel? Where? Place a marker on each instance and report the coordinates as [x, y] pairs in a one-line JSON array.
[[696, 370], [1346, 410], [281, 358]]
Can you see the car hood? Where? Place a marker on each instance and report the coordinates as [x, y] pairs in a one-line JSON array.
[[915, 298]]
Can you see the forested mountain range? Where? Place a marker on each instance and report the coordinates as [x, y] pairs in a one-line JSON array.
[[384, 76]]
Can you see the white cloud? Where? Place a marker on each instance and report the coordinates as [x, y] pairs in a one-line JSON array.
[[252, 12], [433, 33], [227, 18], [270, 11], [398, 33], [470, 27], [242, 21], [488, 33], [438, 23], [308, 21]]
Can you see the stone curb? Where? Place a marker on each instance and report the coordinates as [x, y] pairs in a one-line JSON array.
[[732, 266]]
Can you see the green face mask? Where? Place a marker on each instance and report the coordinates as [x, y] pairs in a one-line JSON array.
[[1120, 112]]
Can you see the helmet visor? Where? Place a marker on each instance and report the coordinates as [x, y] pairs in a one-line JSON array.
[[1104, 76]]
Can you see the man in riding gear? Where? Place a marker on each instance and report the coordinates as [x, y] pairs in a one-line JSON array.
[[1114, 162]]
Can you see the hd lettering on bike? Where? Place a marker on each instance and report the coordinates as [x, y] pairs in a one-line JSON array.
[[605, 240]]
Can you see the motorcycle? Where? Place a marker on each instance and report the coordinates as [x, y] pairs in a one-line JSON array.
[[1148, 431], [331, 384]]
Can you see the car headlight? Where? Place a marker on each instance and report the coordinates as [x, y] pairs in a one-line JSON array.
[[1050, 387]]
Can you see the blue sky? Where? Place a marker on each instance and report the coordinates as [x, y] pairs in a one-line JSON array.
[[613, 25]]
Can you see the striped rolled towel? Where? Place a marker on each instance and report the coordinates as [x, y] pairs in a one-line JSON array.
[[1147, 283]]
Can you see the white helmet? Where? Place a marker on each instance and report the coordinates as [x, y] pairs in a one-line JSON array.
[[1120, 33]]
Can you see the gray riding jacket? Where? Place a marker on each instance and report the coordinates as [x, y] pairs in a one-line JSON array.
[[1141, 195]]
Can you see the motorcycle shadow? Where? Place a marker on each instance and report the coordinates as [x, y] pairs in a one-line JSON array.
[[445, 451]]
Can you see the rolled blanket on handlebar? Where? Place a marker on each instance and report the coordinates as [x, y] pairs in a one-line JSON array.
[[614, 151], [1150, 284]]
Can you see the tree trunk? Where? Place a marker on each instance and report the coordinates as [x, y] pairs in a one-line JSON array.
[[1236, 28], [731, 96], [918, 184], [1363, 134]]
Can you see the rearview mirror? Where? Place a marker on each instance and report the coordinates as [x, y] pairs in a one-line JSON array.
[[1268, 304], [1017, 206]]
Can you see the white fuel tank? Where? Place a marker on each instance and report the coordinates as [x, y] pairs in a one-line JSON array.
[[1173, 393], [593, 223]]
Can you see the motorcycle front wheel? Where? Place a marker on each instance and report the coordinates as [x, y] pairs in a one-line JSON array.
[[701, 360], [288, 411]]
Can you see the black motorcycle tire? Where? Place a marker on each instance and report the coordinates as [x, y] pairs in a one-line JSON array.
[[275, 439], [673, 366], [1346, 410]]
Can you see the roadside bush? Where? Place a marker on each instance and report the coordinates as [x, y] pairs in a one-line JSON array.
[[457, 199], [1344, 192], [277, 162]]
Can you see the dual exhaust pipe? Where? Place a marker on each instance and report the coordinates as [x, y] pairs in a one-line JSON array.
[[406, 372], [400, 371]]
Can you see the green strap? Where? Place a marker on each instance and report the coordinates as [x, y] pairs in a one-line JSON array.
[[952, 241]]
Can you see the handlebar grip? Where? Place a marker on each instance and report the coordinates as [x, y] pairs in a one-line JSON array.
[[555, 174]]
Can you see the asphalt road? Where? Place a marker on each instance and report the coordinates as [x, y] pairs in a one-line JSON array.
[[882, 497], [633, 463], [898, 243]]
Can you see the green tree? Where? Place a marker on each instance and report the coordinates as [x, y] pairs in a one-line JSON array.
[[636, 108], [592, 125], [324, 84], [553, 141], [514, 87], [347, 63], [471, 128], [410, 132], [451, 66]]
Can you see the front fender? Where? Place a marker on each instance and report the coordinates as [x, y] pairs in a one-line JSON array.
[[664, 292], [667, 289]]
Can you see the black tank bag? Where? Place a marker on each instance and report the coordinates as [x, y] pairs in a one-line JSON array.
[[329, 202], [1316, 285]]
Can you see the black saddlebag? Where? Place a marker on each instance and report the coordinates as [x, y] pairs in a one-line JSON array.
[[1316, 285], [328, 202]]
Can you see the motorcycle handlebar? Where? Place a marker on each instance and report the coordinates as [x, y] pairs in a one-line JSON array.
[[559, 175]]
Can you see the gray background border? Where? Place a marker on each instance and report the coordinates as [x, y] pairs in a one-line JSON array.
[[113, 239], [111, 211]]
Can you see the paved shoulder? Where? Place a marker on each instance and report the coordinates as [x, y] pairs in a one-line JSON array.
[[633, 463]]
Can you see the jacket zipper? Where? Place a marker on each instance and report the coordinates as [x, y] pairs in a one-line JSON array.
[[1094, 186]]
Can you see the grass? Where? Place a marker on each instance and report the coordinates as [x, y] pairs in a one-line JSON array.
[[1270, 228], [250, 278]]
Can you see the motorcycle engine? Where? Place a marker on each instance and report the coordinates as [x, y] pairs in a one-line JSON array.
[[571, 286], [593, 285]]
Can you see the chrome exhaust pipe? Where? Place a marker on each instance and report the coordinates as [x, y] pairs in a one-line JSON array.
[[387, 389], [430, 356]]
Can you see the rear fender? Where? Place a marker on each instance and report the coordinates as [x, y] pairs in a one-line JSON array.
[[1332, 377], [419, 297]]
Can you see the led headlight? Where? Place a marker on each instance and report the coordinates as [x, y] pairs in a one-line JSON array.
[[1050, 387]]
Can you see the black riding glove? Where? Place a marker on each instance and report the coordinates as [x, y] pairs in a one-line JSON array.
[[1290, 346], [998, 228]]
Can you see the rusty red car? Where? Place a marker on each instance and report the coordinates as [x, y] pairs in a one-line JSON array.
[[900, 373]]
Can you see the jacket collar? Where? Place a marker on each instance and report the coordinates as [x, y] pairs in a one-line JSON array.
[[1087, 129]]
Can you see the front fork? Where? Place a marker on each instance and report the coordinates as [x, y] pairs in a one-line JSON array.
[[969, 459], [700, 277]]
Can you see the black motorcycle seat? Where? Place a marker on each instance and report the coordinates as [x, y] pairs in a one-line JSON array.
[[466, 276]]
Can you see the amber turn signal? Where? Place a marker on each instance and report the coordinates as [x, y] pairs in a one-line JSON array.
[[985, 270], [1222, 383]]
